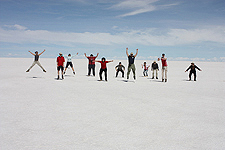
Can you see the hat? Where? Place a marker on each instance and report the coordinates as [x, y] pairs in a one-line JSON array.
[[119, 62], [60, 53], [36, 51], [192, 63], [154, 61], [131, 53]]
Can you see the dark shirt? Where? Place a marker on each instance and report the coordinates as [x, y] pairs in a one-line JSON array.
[[192, 68], [120, 67], [91, 60], [131, 59], [155, 66], [36, 57]]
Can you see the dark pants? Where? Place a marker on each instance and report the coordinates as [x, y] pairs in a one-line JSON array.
[[100, 73], [194, 72], [89, 69], [119, 71]]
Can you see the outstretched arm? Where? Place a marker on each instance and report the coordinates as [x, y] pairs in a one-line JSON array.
[[97, 61], [188, 68], [136, 53], [198, 68], [127, 52], [110, 61], [31, 53], [42, 52], [97, 55], [85, 55]]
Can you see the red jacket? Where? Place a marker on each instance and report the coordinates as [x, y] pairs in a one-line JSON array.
[[60, 60], [103, 64], [91, 60], [164, 63]]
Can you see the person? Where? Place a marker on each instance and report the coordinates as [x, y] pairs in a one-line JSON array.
[[91, 64], [103, 68], [192, 71], [155, 69], [69, 62], [60, 64], [121, 68], [131, 65], [145, 66], [164, 67], [36, 58]]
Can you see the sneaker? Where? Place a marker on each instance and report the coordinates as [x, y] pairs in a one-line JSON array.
[[156, 77], [64, 72], [62, 77], [73, 72], [44, 70], [162, 80], [165, 80], [153, 78], [28, 70], [58, 77], [134, 78]]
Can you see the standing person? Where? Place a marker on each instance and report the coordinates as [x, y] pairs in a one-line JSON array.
[[60, 64], [192, 67], [155, 69], [164, 67], [145, 66], [131, 65], [36, 58], [103, 68], [69, 62], [121, 68], [91, 64]]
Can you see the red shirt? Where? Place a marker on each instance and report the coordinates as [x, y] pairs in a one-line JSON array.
[[103, 64], [91, 60], [60, 60], [164, 63]]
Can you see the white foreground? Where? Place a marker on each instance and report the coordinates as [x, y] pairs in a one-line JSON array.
[[38, 112]]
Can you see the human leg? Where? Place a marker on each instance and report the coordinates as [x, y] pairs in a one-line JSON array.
[[166, 74], [122, 73], [195, 75], [117, 72], [93, 70], [31, 66], [156, 72], [39, 64], [163, 69], [105, 74], [128, 71], [133, 70], [190, 73], [89, 69], [100, 73]]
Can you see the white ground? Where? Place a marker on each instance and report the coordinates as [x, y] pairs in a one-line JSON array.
[[38, 112]]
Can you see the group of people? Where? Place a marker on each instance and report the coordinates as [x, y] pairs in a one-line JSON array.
[[119, 68]]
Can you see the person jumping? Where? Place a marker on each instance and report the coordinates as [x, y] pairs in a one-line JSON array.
[[145, 66], [36, 58], [192, 71], [121, 68], [131, 65], [103, 68], [91, 64], [69, 62]]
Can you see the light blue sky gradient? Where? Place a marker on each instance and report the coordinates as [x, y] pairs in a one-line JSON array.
[[183, 29]]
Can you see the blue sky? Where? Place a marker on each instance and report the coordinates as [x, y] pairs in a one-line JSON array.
[[183, 29]]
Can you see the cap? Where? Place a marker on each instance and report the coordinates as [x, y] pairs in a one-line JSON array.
[[60, 53], [131, 53]]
